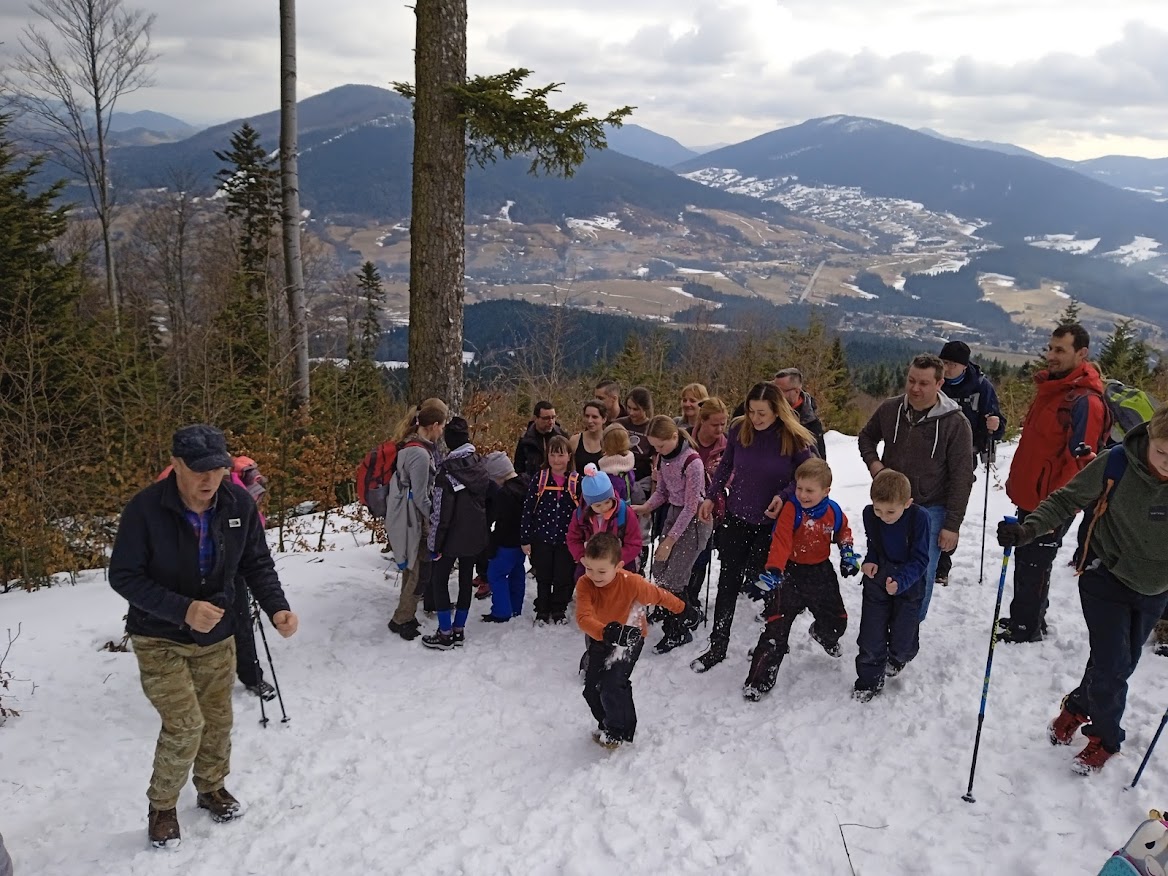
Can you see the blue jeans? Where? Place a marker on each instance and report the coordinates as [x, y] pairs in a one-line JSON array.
[[508, 579], [936, 514]]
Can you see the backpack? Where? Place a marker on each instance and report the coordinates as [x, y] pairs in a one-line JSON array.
[[836, 512], [1129, 407], [545, 483], [1067, 405], [1113, 472], [622, 508], [374, 474]]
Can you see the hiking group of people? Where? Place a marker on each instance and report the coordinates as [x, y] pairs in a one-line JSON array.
[[586, 510]]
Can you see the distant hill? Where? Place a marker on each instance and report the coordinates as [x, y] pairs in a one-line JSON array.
[[148, 120], [1017, 195], [992, 146], [649, 146], [357, 152]]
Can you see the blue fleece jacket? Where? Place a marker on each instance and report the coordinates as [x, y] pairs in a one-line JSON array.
[[900, 549]]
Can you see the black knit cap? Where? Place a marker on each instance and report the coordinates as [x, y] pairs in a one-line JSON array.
[[456, 433], [201, 447], [955, 351]]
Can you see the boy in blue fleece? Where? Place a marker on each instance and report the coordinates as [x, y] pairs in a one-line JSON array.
[[894, 583]]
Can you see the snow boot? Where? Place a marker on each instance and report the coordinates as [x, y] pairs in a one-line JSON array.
[[606, 740], [263, 690], [163, 829], [408, 631], [458, 636], [1092, 758], [560, 619], [705, 662], [865, 694], [833, 649], [674, 639], [894, 668], [1063, 728], [1015, 633], [439, 641], [221, 805], [1160, 637], [543, 618], [482, 587], [491, 619]]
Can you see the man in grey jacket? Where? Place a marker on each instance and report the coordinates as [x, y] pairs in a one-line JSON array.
[[928, 439]]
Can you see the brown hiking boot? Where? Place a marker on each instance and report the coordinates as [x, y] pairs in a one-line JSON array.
[[1160, 638], [163, 829], [1092, 758], [1062, 729], [221, 805]]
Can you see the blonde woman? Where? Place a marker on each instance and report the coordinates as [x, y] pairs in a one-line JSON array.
[[692, 395], [762, 452]]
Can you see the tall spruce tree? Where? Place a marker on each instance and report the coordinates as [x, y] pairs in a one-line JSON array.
[[251, 188]]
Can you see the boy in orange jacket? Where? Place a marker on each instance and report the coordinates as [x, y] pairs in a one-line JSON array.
[[610, 609], [799, 575]]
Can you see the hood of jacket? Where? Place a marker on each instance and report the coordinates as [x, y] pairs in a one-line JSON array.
[[464, 465], [1085, 377]]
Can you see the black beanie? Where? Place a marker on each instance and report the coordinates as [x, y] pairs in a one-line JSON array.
[[956, 351], [456, 433]]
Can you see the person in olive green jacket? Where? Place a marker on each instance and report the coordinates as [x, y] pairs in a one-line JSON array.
[[1123, 585]]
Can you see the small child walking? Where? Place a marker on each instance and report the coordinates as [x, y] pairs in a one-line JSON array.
[[610, 609], [894, 583], [506, 568], [603, 511], [548, 506], [799, 575]]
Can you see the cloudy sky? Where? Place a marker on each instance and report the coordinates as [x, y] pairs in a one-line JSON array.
[[1074, 78]]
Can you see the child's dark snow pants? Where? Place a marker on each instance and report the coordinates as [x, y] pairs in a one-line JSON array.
[[889, 630], [608, 689]]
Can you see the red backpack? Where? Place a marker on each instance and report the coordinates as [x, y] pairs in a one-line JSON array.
[[374, 474]]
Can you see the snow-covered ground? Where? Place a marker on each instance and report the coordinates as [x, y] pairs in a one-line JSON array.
[[479, 761], [1139, 250], [1064, 243]]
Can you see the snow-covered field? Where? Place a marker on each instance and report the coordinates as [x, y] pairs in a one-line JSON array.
[[479, 761]]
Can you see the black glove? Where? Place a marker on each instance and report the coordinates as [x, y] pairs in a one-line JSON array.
[[1016, 534], [618, 634], [691, 616]]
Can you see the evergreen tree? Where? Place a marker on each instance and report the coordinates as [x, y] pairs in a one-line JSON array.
[[1125, 357], [251, 187], [372, 296], [1070, 313]]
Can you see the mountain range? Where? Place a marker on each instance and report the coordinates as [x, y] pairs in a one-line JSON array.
[[839, 191]]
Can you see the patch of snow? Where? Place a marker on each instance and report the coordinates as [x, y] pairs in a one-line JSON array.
[[1064, 243], [945, 266], [716, 274], [680, 291], [504, 214], [1139, 250], [1003, 280], [859, 291]]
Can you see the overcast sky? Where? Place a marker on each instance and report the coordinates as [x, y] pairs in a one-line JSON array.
[[1075, 78]]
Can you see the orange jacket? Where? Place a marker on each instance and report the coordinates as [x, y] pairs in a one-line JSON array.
[[807, 545], [1063, 429], [623, 601]]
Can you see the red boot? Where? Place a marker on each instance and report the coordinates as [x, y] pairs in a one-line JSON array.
[[482, 588], [1092, 758], [1062, 729]]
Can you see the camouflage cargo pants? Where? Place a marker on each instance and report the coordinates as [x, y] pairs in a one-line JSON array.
[[190, 686]]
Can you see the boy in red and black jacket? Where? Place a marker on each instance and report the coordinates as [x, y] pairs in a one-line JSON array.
[[799, 575]]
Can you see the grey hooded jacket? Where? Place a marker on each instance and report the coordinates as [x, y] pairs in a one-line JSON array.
[[935, 454], [407, 506]]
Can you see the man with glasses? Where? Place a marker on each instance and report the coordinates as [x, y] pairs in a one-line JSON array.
[[790, 384], [531, 451]]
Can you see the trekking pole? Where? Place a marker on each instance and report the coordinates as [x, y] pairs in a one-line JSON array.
[[255, 622], [985, 689], [706, 608], [1148, 753], [985, 510], [272, 667]]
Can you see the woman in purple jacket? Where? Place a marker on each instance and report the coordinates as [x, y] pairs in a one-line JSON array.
[[763, 451]]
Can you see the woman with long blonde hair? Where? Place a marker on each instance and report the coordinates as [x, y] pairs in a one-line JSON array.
[[762, 452], [692, 395]]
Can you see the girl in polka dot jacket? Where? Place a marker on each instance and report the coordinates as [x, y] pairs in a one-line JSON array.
[[551, 500]]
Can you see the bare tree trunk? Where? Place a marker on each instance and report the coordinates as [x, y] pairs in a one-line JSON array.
[[290, 211], [437, 246]]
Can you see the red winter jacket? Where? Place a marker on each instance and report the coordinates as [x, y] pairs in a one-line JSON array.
[[1063, 429]]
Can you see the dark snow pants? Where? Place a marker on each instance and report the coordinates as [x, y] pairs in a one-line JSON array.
[[814, 588], [742, 548], [1032, 565], [555, 580], [889, 630], [1119, 621], [608, 688]]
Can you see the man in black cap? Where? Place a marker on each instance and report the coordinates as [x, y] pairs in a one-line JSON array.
[[182, 544], [975, 395]]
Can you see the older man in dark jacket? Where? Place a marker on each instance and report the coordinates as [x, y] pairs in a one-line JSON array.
[[928, 439], [181, 546], [531, 451]]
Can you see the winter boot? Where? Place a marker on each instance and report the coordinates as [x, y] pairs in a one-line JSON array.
[[263, 690], [458, 637], [606, 740], [1092, 758], [894, 668], [1015, 633], [408, 631], [1063, 728], [705, 662], [560, 619], [1160, 637], [221, 805], [163, 829], [482, 587], [543, 618], [865, 694], [673, 639], [833, 649], [439, 640], [491, 619]]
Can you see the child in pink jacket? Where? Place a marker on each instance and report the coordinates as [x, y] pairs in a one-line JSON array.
[[603, 511]]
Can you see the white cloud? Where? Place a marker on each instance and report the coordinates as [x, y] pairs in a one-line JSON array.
[[1070, 76]]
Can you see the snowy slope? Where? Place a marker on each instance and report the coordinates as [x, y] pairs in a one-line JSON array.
[[402, 760]]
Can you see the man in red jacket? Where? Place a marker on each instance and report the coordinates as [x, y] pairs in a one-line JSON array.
[[1064, 428]]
